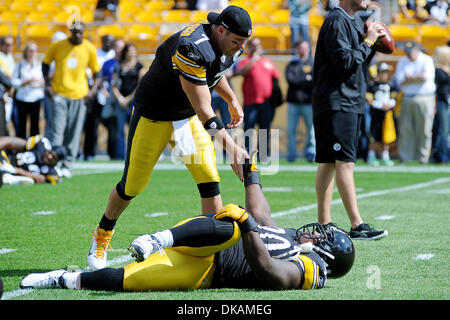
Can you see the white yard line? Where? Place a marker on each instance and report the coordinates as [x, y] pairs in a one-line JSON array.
[[365, 195]]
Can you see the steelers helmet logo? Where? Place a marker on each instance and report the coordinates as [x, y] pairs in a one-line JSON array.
[[336, 146], [213, 125]]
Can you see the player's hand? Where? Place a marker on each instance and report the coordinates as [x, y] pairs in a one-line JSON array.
[[234, 212], [374, 31], [243, 218], [236, 113], [238, 159]]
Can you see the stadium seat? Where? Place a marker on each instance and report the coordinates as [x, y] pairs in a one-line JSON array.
[[280, 16], [401, 34], [22, 6], [198, 15], [117, 31], [148, 16], [144, 37], [181, 16], [41, 34], [38, 16], [258, 17], [271, 37], [49, 6], [432, 36], [156, 5], [316, 20]]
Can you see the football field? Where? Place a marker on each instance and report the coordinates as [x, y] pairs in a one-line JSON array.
[[44, 227]]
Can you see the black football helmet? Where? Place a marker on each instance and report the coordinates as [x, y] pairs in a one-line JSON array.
[[333, 245]]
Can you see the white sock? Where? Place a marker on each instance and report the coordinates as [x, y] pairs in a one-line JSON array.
[[385, 155], [71, 279], [165, 238], [371, 154]]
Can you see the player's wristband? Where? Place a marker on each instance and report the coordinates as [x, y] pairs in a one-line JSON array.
[[248, 225], [213, 125], [369, 43]]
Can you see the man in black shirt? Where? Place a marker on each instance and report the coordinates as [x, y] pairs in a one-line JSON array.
[[173, 105], [339, 87]]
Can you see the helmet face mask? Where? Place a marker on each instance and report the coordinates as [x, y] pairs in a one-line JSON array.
[[333, 245]]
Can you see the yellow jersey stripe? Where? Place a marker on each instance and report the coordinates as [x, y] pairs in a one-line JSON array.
[[189, 70], [311, 273]]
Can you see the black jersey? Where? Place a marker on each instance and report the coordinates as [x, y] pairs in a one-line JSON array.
[[232, 269], [189, 53]]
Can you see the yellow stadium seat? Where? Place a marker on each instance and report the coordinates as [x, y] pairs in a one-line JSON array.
[[181, 16], [266, 6], [198, 15], [148, 16], [41, 34], [316, 20], [432, 36], [401, 34], [115, 30], [280, 16], [22, 6], [49, 6], [271, 37], [9, 30], [144, 37], [259, 17], [158, 5], [12, 17], [38, 16]]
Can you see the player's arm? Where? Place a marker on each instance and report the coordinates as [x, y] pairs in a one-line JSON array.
[[12, 143], [37, 177], [278, 274], [234, 107], [200, 98]]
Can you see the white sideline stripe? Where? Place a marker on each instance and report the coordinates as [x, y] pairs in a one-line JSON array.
[[278, 189], [385, 217], [44, 213], [82, 168], [365, 195], [6, 250], [20, 292], [155, 214], [424, 256]]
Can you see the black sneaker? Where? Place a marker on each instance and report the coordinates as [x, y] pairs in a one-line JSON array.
[[330, 225], [366, 232]]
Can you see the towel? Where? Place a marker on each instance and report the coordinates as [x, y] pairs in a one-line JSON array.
[[184, 141]]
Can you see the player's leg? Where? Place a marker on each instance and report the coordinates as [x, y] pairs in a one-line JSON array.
[[324, 185], [146, 142], [202, 166], [198, 236], [325, 156]]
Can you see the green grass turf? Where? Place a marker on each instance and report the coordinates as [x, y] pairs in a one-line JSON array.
[[384, 269]]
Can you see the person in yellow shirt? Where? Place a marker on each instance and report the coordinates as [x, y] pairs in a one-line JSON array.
[[69, 88]]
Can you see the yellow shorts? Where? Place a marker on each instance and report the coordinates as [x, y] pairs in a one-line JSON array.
[[147, 140], [180, 268]]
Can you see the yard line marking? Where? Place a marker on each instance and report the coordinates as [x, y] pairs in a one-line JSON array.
[[6, 250], [278, 189], [424, 256], [20, 292], [365, 195], [44, 213], [155, 214], [387, 217]]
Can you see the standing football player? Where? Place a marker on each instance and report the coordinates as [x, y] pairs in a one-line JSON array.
[[339, 87], [173, 105]]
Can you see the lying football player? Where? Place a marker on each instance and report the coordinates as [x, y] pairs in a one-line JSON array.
[[32, 160], [236, 247]]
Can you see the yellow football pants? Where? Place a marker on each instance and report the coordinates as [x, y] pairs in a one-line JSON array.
[[180, 268], [148, 140]]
